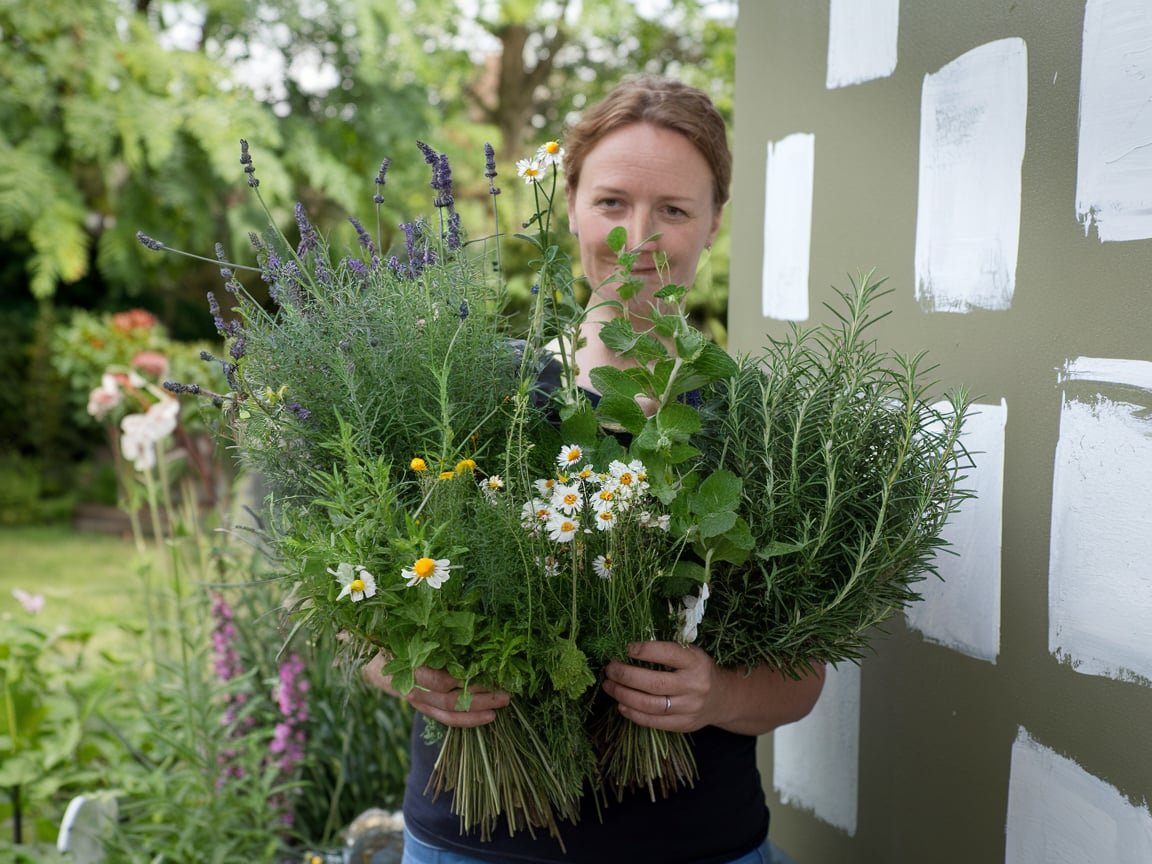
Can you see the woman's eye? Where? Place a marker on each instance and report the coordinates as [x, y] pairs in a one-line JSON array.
[[608, 202]]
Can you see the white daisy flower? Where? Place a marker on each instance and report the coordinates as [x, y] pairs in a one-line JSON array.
[[570, 456], [550, 564], [550, 153], [433, 571], [545, 487], [567, 499], [535, 513], [602, 564], [531, 170], [355, 582], [492, 486], [562, 528], [605, 519], [604, 499]]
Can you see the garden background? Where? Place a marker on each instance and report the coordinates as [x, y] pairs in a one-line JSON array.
[[140, 646]]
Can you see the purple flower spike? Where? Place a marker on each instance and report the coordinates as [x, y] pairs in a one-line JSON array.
[[246, 161], [378, 198], [309, 240], [154, 245], [490, 169]]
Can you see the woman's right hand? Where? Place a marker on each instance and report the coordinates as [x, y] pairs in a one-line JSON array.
[[437, 695]]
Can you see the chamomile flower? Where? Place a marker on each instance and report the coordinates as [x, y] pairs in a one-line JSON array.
[[602, 564], [492, 486], [531, 170], [534, 513], [605, 519], [545, 486], [561, 528], [584, 474], [567, 499], [355, 582], [550, 565], [570, 455], [604, 499], [432, 571], [550, 153]]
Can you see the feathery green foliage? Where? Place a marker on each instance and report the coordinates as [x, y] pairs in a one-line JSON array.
[[848, 473]]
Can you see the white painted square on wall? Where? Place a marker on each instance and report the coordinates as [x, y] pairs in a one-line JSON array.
[[961, 610], [862, 37], [1100, 556], [1057, 811], [787, 226], [816, 761], [972, 119], [1114, 166]]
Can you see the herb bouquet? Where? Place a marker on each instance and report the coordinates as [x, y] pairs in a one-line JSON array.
[[434, 500]]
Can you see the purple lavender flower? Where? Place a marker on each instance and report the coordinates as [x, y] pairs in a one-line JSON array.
[[378, 198], [453, 230], [246, 161], [430, 155], [239, 346], [364, 237], [309, 240], [225, 271], [299, 410], [356, 266], [154, 245], [442, 182], [490, 169], [214, 311]]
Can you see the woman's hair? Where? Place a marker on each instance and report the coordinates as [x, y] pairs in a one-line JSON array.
[[660, 102]]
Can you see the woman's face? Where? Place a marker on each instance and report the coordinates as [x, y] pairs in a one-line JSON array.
[[650, 180]]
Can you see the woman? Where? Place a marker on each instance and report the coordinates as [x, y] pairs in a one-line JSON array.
[[651, 157]]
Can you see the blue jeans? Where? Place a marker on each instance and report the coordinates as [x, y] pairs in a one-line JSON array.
[[417, 852]]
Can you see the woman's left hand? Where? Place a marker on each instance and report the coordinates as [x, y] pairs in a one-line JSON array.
[[688, 691], [681, 696]]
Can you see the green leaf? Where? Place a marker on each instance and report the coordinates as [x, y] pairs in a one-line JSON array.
[[619, 336], [610, 381], [580, 428], [617, 239], [776, 548], [715, 523], [622, 411], [719, 491], [679, 421]]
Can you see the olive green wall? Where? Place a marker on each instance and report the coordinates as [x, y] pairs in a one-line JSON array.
[[936, 727]]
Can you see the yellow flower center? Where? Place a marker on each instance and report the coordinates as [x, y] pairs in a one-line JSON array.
[[567, 526], [424, 568], [606, 515], [357, 585], [570, 499], [607, 495], [574, 455], [626, 479], [552, 147]]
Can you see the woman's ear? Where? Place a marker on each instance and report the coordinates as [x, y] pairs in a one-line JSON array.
[[717, 218], [570, 201]]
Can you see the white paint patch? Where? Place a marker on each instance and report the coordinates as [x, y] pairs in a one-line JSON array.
[[962, 612], [816, 762], [861, 41], [788, 226], [1130, 373], [1058, 812], [972, 117], [1114, 169], [1100, 552]]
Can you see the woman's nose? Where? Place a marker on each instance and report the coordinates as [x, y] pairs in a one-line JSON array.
[[640, 231]]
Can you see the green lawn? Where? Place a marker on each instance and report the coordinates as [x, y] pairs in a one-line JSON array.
[[86, 579]]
